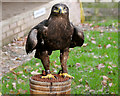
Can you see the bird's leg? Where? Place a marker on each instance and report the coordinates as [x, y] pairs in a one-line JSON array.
[[63, 60], [43, 55]]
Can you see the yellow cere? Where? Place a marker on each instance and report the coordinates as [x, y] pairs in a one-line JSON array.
[[60, 8]]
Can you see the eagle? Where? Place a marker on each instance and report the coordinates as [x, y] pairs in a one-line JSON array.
[[54, 33]]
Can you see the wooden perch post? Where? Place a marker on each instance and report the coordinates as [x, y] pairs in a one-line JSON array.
[[50, 86]]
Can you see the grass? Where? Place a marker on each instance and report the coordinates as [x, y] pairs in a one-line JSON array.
[[105, 23], [88, 78], [100, 5]]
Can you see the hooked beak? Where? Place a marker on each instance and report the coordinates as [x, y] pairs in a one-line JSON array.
[[61, 10]]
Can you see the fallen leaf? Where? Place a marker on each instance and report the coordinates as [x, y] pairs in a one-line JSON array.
[[8, 77], [25, 91], [87, 89], [79, 86], [108, 46], [84, 45], [110, 72], [9, 44], [90, 50], [12, 92], [101, 34], [54, 70], [40, 68], [101, 90], [18, 93], [3, 81], [26, 71], [13, 44], [86, 85], [109, 38], [95, 57], [21, 91], [100, 57], [14, 85], [94, 42], [99, 45], [78, 65], [92, 38], [20, 81], [34, 73], [115, 46], [54, 62], [92, 28], [90, 24], [14, 72], [113, 65], [114, 42], [56, 66], [104, 83], [37, 64], [11, 69], [59, 66], [106, 56], [109, 67], [111, 30], [15, 77], [110, 84], [18, 58], [91, 90], [92, 53], [80, 80], [20, 72], [96, 26], [101, 31], [105, 78], [19, 39], [87, 36], [24, 76], [92, 69], [26, 67], [104, 46], [110, 63], [7, 85], [100, 66]]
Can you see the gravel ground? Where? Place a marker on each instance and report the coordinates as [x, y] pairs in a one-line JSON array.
[[13, 55]]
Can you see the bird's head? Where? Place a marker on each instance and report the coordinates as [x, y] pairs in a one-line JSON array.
[[59, 9]]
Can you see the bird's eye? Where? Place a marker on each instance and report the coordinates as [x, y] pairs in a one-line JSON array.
[[56, 8], [64, 8]]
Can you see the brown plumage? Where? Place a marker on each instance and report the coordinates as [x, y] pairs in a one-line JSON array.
[[55, 33]]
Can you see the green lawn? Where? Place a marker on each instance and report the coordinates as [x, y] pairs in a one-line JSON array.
[[95, 67], [105, 23]]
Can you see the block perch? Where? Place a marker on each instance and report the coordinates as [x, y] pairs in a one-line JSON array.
[[49, 87]]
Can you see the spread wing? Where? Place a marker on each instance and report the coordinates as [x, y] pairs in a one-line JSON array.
[[32, 40], [77, 38]]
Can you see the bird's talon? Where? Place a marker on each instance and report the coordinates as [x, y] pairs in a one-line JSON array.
[[66, 75], [56, 77], [49, 76]]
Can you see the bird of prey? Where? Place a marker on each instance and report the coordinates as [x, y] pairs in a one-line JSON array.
[[54, 33]]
